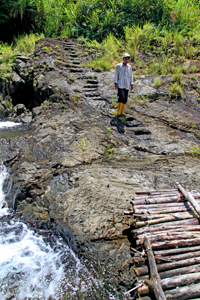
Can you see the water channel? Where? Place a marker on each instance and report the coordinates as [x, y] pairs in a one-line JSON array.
[[39, 264]]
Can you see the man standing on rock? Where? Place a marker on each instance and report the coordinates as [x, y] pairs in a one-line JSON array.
[[123, 83]]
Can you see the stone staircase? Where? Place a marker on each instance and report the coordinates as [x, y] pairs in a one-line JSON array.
[[89, 82]]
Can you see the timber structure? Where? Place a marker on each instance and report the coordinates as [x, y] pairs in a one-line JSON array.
[[167, 244]]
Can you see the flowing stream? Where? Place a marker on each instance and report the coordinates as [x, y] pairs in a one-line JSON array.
[[39, 264]]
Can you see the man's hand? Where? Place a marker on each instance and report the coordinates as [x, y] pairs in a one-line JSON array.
[[131, 87], [116, 86]]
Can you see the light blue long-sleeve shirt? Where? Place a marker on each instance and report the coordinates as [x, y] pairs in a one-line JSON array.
[[123, 76]]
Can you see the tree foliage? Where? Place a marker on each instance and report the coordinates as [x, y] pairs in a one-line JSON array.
[[95, 19]]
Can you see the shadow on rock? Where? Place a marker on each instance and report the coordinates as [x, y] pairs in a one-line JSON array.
[[121, 121]]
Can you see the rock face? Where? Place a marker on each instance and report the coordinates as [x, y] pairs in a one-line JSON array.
[[76, 173]]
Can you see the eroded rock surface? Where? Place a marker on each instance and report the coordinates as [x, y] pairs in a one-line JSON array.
[[73, 171]]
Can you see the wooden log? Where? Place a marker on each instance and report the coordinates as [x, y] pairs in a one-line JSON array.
[[183, 231], [174, 272], [174, 282], [154, 192], [180, 271], [177, 257], [172, 200], [195, 194], [155, 196], [171, 216], [169, 199], [165, 237], [183, 293], [163, 220], [141, 271], [165, 205], [154, 282], [189, 197], [162, 210], [167, 225], [176, 243], [177, 251], [186, 279], [175, 215]]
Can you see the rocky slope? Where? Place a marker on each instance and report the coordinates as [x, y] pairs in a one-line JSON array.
[[74, 172]]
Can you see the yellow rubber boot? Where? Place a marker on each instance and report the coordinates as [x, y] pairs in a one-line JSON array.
[[119, 108], [123, 108]]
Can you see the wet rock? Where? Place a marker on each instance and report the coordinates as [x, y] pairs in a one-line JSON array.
[[19, 109]]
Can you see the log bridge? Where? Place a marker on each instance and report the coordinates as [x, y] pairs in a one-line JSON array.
[[167, 250]]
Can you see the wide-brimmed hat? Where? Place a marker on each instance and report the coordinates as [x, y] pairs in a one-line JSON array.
[[126, 55]]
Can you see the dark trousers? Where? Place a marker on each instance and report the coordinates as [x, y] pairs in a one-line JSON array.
[[122, 95]]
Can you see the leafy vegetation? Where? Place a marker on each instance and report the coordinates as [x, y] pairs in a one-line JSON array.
[[195, 151], [8, 53], [165, 31]]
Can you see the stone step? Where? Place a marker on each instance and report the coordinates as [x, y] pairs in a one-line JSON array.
[[69, 59], [76, 70], [74, 62], [72, 65], [69, 44], [88, 90], [92, 94], [92, 81], [97, 99], [72, 55], [141, 131], [90, 86], [71, 51]]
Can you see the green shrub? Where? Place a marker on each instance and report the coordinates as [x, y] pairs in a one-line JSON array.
[[175, 91]]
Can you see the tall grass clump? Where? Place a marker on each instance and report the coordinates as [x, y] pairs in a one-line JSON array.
[[23, 45], [7, 61], [26, 44], [111, 48]]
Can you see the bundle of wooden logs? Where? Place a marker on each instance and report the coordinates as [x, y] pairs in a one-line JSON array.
[[167, 252]]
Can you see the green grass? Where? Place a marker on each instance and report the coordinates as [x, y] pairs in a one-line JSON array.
[[23, 45], [175, 91], [26, 44]]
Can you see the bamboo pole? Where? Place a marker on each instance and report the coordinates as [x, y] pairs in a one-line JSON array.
[[154, 282], [189, 197]]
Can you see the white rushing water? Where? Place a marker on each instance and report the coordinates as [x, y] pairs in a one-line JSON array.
[[35, 265], [32, 267], [8, 124]]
